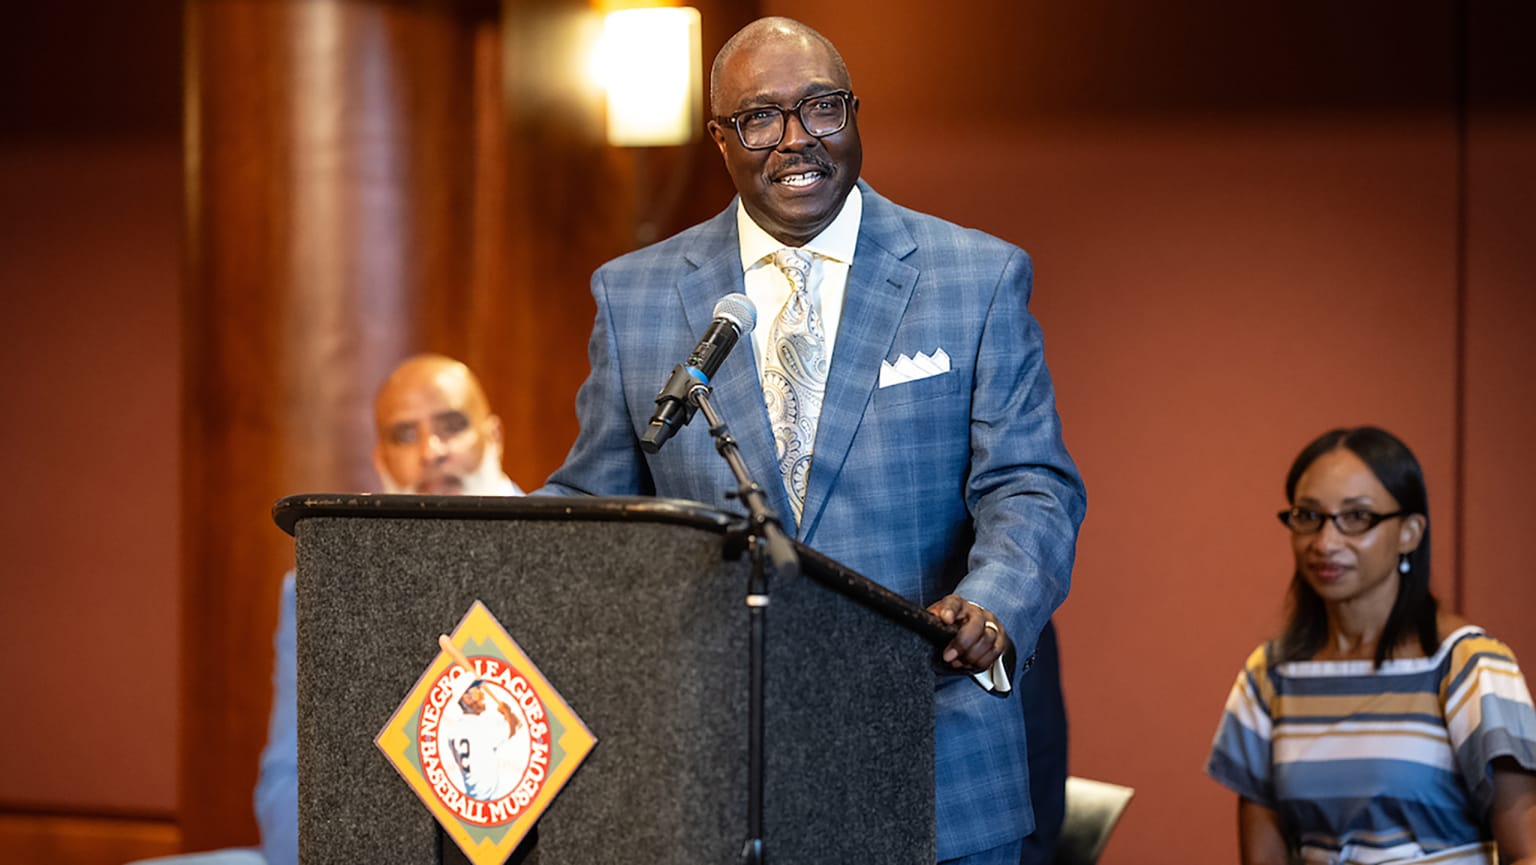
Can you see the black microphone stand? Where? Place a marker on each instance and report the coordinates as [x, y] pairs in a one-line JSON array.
[[764, 533]]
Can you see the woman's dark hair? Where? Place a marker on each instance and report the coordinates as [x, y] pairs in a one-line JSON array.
[[1306, 628]]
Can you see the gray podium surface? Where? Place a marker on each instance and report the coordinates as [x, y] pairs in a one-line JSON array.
[[635, 612]]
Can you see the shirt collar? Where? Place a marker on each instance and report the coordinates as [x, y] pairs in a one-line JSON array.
[[836, 241]]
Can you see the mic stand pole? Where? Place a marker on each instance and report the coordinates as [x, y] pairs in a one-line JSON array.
[[764, 533]]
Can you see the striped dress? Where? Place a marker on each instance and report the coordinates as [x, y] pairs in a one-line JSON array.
[[1370, 766]]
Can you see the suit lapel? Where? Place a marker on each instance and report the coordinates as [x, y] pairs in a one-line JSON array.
[[735, 391], [880, 284]]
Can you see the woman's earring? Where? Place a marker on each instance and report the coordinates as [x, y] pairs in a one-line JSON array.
[[1402, 563]]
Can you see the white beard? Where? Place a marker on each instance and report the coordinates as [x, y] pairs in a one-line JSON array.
[[486, 480]]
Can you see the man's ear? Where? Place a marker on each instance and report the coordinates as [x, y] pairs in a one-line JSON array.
[[492, 429], [717, 132], [1411, 533], [379, 467]]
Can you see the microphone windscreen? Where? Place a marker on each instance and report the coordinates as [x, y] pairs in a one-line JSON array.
[[738, 308]]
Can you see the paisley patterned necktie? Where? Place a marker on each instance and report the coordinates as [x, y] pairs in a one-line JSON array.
[[796, 376]]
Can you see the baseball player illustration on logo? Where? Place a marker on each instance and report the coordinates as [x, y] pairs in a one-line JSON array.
[[479, 733], [480, 738]]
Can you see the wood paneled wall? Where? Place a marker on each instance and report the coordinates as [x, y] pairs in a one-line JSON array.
[[34, 839], [368, 180], [331, 220]]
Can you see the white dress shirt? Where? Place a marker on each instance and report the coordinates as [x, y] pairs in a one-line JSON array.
[[767, 287]]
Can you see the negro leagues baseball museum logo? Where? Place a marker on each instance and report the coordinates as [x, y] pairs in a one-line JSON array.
[[484, 740]]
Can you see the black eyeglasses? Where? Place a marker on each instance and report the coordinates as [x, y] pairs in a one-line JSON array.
[[763, 127], [1304, 522]]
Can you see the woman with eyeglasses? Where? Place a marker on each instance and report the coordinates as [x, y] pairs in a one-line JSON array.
[[1377, 728]]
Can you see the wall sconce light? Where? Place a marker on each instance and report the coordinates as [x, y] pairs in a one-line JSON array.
[[649, 64]]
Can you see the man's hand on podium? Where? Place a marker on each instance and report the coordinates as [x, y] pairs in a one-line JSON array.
[[980, 640]]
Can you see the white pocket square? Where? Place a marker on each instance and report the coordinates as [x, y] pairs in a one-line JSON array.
[[919, 366]]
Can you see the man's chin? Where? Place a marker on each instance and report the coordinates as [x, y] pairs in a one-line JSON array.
[[441, 487], [800, 215]]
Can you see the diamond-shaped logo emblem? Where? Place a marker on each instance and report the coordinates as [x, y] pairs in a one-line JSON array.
[[484, 739]]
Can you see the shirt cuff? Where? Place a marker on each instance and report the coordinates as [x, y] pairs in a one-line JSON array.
[[995, 678]]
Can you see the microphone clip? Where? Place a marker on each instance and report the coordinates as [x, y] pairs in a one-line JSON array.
[[675, 406]]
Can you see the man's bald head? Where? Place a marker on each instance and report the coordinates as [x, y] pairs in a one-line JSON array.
[[436, 433], [760, 33]]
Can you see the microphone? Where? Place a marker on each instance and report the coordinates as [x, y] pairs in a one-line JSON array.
[[735, 316]]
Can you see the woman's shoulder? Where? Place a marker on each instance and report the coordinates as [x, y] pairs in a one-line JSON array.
[[1464, 645], [1260, 661], [1254, 680]]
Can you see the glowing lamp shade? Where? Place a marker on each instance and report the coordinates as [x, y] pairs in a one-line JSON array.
[[648, 62]]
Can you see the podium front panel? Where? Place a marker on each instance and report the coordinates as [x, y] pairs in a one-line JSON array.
[[642, 627]]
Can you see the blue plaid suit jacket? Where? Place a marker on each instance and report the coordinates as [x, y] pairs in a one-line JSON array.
[[959, 483]]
